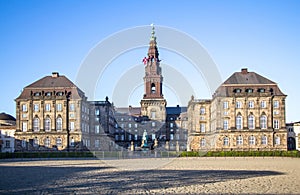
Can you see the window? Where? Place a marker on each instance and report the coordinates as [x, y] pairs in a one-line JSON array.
[[171, 136], [129, 125], [135, 137], [59, 124], [238, 104], [72, 107], [202, 127], [225, 124], [35, 107], [122, 137], [202, 110], [7, 144], [171, 125], [251, 104], [249, 90], [251, 122], [153, 114], [276, 112], [225, 105], [153, 124], [264, 140], [97, 129], [97, 143], [24, 126], [261, 90], [238, 90], [263, 104], [23, 143], [226, 141], [276, 124], [263, 122], [153, 90], [97, 112], [48, 107], [239, 122], [47, 142], [135, 125], [277, 140], [59, 107], [24, 115], [48, 94], [35, 142], [58, 142], [36, 124], [72, 143], [72, 126], [47, 124], [116, 137], [239, 140], [122, 125], [251, 140], [276, 104], [24, 108], [202, 142]]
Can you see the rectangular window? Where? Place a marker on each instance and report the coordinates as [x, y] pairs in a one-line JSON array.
[[251, 104], [97, 143], [276, 124], [97, 112], [225, 105], [225, 124], [171, 136], [238, 104], [47, 142], [171, 125], [59, 107], [7, 144], [135, 125], [72, 107], [277, 140], [24, 126], [135, 137], [23, 143], [129, 125], [153, 136], [48, 107], [276, 104], [153, 124], [152, 115], [35, 107], [35, 142], [263, 104], [97, 129], [239, 140], [72, 126], [264, 140], [24, 108], [202, 127], [202, 110]]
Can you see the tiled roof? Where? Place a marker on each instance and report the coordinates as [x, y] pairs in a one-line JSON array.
[[247, 78]]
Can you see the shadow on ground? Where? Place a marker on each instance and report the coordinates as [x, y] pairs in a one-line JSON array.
[[103, 179]]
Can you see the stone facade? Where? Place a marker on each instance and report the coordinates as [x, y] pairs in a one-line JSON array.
[[51, 114], [247, 112]]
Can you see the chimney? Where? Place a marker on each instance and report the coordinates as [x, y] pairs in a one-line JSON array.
[[55, 74], [244, 70]]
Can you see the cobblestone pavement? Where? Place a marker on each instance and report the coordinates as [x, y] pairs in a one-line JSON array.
[[151, 176]]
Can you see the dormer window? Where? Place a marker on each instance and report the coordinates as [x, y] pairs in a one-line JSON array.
[[37, 94], [261, 90], [237, 90], [249, 90], [48, 93], [59, 93]]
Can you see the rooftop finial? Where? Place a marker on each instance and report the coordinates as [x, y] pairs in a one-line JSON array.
[[153, 32]]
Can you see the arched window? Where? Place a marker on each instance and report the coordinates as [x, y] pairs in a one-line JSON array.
[[226, 141], [58, 142], [36, 124], [153, 89], [239, 140], [59, 123], [239, 122], [264, 140], [263, 121], [35, 142], [202, 142], [251, 140], [47, 124], [47, 142], [251, 122]]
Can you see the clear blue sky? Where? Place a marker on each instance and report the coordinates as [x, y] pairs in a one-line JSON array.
[[39, 37]]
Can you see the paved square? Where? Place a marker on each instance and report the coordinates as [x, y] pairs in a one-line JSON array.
[[151, 176]]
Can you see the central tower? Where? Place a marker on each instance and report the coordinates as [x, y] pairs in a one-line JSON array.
[[153, 103]]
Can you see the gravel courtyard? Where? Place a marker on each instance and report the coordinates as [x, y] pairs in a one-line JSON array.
[[152, 176]]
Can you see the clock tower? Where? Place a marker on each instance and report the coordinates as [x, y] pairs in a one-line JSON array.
[[153, 103]]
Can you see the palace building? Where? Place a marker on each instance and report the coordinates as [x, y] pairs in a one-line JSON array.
[[246, 112]]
